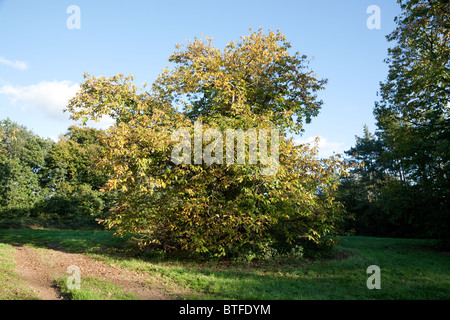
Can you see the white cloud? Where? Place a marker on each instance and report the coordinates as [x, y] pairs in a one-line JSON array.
[[326, 148], [49, 98], [15, 64]]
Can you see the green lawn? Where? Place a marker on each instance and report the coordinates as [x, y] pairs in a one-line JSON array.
[[410, 269], [94, 289]]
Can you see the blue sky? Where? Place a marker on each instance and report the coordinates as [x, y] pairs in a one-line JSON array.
[[42, 61]]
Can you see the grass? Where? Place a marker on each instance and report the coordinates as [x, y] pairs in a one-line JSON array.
[[76, 241], [11, 286], [93, 289], [410, 269]]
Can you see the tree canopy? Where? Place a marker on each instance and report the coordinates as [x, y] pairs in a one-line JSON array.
[[22, 157], [410, 155], [216, 208]]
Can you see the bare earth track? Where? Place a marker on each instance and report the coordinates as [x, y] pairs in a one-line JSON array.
[[39, 268]]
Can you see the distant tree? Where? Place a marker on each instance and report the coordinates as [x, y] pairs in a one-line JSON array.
[[22, 157], [71, 178], [405, 165], [375, 192], [413, 115], [72, 159]]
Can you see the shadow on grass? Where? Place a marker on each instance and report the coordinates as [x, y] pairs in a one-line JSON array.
[[72, 241], [218, 279]]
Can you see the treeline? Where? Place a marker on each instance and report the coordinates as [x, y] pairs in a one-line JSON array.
[[48, 183], [393, 195], [401, 184]]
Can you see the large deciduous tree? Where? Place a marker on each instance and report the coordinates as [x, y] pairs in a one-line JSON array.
[[216, 208]]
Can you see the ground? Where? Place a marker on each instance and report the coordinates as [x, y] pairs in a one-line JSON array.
[[34, 263], [40, 267]]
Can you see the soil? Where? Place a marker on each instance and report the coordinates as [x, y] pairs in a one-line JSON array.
[[40, 267]]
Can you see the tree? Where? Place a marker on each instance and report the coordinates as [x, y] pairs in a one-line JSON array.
[[215, 208], [22, 155], [375, 191], [413, 113], [71, 179], [255, 77], [72, 159], [359, 190]]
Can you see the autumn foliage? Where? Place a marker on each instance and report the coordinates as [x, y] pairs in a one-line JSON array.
[[216, 209]]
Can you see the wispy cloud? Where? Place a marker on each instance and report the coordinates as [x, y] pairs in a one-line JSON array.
[[326, 148], [21, 65]]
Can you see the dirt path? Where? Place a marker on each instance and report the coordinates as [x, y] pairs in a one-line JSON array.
[[40, 267]]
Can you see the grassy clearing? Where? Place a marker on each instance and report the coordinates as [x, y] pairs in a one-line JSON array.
[[410, 269]]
